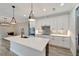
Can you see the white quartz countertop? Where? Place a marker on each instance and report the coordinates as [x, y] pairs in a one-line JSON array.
[[36, 43], [60, 35]]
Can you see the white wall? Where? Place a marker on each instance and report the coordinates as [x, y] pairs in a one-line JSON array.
[[73, 30]]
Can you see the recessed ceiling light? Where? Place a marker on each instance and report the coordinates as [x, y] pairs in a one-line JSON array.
[[62, 4], [44, 9], [24, 15]]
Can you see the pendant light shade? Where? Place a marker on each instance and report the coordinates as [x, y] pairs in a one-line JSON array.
[[13, 21], [31, 15]]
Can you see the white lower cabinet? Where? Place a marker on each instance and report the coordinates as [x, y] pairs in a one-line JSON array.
[[61, 41]]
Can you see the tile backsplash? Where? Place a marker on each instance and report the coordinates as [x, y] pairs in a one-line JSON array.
[[61, 32], [64, 32]]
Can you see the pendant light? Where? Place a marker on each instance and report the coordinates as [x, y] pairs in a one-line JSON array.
[[13, 21], [31, 15]]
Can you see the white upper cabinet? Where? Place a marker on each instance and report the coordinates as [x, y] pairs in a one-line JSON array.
[[62, 22], [59, 22]]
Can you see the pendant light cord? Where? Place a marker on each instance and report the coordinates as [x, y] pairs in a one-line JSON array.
[[31, 15], [13, 10], [32, 7], [13, 18], [31, 10]]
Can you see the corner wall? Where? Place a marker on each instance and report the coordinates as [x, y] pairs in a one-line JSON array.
[[73, 30]]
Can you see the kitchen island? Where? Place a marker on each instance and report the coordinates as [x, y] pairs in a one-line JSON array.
[[31, 46]]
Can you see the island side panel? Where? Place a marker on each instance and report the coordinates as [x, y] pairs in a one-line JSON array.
[[25, 51]]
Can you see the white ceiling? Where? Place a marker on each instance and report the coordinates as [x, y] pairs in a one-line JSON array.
[[24, 9]]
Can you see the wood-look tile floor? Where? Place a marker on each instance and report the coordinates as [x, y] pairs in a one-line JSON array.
[[58, 51], [5, 52], [53, 51]]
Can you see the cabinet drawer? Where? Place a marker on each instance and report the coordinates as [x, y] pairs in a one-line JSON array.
[[52, 41], [66, 42], [60, 41]]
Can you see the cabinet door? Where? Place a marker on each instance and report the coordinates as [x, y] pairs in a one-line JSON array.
[[60, 41], [55, 41], [66, 42], [65, 22], [62, 22], [52, 41]]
